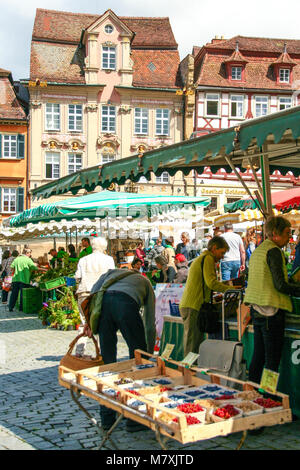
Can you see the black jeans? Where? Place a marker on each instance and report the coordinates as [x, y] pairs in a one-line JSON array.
[[119, 312], [4, 295], [268, 344], [16, 287]]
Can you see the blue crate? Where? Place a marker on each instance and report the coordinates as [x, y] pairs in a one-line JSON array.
[[70, 281]]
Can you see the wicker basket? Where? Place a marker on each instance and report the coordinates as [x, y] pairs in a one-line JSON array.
[[78, 363]]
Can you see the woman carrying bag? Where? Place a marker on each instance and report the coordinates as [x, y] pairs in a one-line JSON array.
[[269, 304], [196, 293]]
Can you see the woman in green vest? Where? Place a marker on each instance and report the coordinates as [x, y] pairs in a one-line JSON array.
[[268, 292]]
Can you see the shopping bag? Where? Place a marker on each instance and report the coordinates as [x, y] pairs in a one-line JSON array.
[[6, 284]]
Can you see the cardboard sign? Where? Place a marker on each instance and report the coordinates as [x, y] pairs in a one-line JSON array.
[[269, 380], [167, 351], [189, 359]]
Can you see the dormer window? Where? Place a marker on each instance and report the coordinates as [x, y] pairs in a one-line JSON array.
[[109, 57], [108, 29], [284, 75], [236, 73], [235, 65]]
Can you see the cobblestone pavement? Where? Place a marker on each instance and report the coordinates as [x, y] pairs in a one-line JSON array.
[[37, 413]]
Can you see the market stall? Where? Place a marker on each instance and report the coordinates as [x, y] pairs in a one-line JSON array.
[[177, 402]]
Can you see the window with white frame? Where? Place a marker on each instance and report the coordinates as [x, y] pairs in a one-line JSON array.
[[9, 200], [284, 102], [284, 75], [212, 104], [162, 123], [141, 121], [261, 106], [108, 28], [75, 117], [237, 106], [10, 145], [107, 157], [108, 119], [143, 179], [52, 115], [236, 73], [52, 165], [74, 162], [109, 57], [163, 178]]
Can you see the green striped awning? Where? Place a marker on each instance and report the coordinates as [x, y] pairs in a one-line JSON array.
[[103, 204]]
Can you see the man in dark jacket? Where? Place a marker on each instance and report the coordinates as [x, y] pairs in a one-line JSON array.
[[119, 296]]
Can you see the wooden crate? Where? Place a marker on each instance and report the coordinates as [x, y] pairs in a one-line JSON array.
[[87, 384]]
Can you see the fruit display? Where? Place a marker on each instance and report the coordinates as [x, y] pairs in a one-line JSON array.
[[226, 412], [189, 419], [267, 402], [190, 408]]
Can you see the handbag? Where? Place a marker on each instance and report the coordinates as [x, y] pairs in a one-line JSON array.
[[6, 284], [208, 317], [78, 363]]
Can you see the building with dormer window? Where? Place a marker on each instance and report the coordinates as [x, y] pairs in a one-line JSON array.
[[102, 87], [231, 80], [242, 78]]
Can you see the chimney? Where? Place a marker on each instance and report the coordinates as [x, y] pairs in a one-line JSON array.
[[217, 39]]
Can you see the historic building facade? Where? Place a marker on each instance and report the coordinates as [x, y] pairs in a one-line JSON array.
[[101, 88], [13, 149], [228, 81]]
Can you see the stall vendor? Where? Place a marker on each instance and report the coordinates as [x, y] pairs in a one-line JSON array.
[[165, 273], [268, 292], [54, 258], [192, 297], [87, 249]]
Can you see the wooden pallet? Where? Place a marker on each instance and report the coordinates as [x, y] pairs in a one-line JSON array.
[[85, 382]]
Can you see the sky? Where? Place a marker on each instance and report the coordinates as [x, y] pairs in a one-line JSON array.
[[194, 23]]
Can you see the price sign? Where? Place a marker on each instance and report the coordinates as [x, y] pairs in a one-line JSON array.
[[269, 381], [190, 359], [167, 351]]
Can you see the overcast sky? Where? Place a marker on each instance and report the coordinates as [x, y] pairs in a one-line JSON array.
[[194, 22]]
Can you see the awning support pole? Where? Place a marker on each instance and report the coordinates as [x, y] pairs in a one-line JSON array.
[[261, 208], [265, 172]]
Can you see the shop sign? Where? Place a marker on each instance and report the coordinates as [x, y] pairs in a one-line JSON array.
[[189, 359], [167, 351], [269, 381]]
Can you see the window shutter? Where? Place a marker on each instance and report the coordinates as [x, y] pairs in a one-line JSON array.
[[20, 199], [0, 150], [21, 146]]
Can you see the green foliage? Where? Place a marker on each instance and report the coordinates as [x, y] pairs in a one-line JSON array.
[[63, 311]]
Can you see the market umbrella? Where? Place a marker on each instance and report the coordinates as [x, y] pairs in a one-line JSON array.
[[106, 204], [281, 200]]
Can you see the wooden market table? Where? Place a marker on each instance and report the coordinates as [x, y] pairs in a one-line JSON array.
[[93, 383], [289, 378]]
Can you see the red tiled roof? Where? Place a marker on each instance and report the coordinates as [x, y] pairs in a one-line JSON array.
[[258, 44], [236, 56], [155, 68], [261, 53], [285, 59], [10, 107], [56, 62], [61, 26], [55, 55]]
